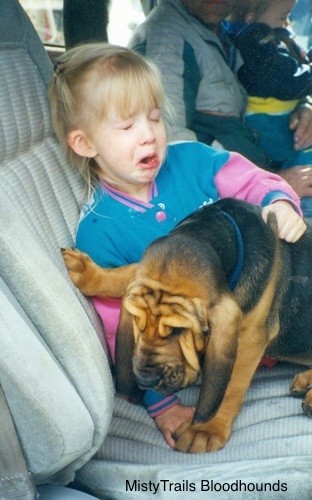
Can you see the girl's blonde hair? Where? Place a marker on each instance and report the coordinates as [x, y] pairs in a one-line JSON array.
[[241, 8], [92, 79]]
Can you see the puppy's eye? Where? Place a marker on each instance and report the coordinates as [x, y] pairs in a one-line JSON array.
[[176, 331]]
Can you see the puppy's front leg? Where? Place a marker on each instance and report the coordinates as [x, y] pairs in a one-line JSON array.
[[206, 436], [93, 280]]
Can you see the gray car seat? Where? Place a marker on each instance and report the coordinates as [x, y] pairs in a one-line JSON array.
[[53, 369], [53, 364]]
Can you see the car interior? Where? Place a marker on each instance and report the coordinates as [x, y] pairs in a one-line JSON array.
[[64, 433]]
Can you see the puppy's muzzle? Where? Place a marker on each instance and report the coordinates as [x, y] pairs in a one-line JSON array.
[[162, 378]]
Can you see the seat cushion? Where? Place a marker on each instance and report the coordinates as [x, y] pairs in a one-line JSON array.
[[53, 366], [270, 448]]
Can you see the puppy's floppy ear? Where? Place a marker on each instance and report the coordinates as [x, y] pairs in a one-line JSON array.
[[187, 344], [125, 380], [225, 320], [192, 342], [136, 307]]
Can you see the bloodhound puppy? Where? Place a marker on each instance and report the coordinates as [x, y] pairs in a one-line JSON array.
[[212, 297]]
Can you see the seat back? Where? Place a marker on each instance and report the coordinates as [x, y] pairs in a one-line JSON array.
[[53, 369]]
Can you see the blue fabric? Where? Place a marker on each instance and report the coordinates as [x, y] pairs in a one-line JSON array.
[[273, 196], [306, 207], [278, 140], [151, 397], [158, 403], [276, 137], [107, 223]]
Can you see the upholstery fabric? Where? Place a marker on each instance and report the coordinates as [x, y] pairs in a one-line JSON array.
[[53, 367], [271, 444]]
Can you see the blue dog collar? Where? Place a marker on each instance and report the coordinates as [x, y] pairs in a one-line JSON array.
[[240, 250]]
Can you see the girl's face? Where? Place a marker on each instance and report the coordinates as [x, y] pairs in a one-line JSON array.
[[129, 152], [276, 16]]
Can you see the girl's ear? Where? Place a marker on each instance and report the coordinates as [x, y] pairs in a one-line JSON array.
[[79, 142]]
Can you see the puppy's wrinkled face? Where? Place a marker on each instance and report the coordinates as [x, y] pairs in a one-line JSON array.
[[170, 335]]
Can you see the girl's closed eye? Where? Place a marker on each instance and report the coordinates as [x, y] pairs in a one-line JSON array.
[[155, 115], [124, 124]]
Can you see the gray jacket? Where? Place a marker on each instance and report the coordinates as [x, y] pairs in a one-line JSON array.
[[197, 73]]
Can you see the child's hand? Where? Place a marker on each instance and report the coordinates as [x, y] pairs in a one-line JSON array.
[[301, 125], [290, 225], [170, 420], [299, 177]]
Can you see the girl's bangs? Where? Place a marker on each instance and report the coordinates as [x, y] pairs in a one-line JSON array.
[[132, 90]]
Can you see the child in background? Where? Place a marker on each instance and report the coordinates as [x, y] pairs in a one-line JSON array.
[[276, 73], [108, 109]]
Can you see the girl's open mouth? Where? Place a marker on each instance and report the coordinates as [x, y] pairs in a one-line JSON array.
[[149, 162]]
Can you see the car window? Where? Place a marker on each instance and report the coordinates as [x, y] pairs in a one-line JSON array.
[[301, 18], [47, 17], [124, 16]]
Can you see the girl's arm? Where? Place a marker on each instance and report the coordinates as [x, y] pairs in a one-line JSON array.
[[239, 178], [242, 179]]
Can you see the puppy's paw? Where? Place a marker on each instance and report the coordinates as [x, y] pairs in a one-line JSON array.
[[81, 269], [307, 404], [301, 387], [201, 438], [301, 384]]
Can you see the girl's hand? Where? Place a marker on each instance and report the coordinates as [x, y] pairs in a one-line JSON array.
[[170, 420], [290, 225]]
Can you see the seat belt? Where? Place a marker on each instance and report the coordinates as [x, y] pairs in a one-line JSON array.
[[15, 480]]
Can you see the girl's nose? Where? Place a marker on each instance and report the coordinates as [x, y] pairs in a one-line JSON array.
[[147, 132]]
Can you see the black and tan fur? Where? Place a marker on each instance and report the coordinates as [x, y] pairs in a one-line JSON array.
[[179, 317]]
